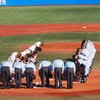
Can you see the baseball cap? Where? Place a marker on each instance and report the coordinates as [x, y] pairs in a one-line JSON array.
[[14, 53], [38, 44]]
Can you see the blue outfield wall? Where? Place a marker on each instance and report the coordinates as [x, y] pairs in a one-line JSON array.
[[47, 2]]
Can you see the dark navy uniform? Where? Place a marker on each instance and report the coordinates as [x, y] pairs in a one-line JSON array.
[[6, 71], [58, 68], [70, 69], [30, 74], [18, 66], [44, 71]]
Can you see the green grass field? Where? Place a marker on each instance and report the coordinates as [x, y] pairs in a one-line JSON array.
[[48, 14]]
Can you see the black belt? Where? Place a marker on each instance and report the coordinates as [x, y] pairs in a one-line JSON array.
[[18, 68], [5, 67], [69, 68], [58, 68], [45, 67], [29, 68]]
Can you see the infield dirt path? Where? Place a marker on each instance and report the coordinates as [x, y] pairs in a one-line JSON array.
[[9, 30], [92, 86]]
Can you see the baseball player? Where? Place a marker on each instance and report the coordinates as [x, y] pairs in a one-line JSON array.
[[12, 57], [37, 44], [70, 70], [6, 72], [91, 48], [25, 52], [85, 59], [44, 70], [33, 51], [82, 60], [0, 71], [30, 73], [34, 54], [19, 68], [58, 69], [89, 45]]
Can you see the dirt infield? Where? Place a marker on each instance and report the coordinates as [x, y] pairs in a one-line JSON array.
[[93, 84], [62, 46], [89, 88], [9, 30]]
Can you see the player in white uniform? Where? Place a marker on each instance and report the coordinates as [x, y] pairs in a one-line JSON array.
[[86, 57], [37, 44], [25, 52], [90, 46], [12, 57], [82, 60], [32, 51]]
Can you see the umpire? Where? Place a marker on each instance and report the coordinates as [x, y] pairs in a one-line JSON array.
[[6, 71], [18, 69], [58, 68], [45, 71], [69, 70], [30, 73]]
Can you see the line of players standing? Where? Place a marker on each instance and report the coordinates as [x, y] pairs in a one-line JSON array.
[[84, 57], [78, 68], [20, 65]]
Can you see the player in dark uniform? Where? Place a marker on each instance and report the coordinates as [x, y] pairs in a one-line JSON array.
[[70, 70], [18, 68], [58, 68], [44, 71], [6, 71], [30, 73]]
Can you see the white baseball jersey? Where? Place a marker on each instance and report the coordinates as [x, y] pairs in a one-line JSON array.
[[12, 58], [33, 59], [25, 52], [89, 45], [81, 61], [33, 47], [85, 52], [80, 56]]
